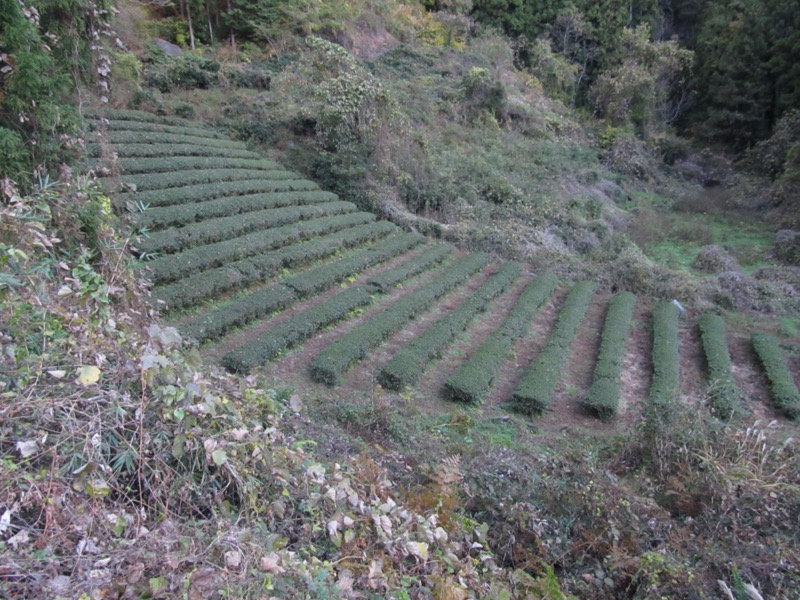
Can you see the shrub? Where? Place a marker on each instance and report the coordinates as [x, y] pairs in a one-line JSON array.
[[134, 165], [725, 395], [183, 214], [167, 73], [169, 268], [472, 380], [158, 181], [382, 282], [211, 191], [665, 387], [213, 282], [408, 365], [225, 228], [603, 398], [328, 366], [295, 329], [534, 392], [121, 114], [784, 390], [170, 149]]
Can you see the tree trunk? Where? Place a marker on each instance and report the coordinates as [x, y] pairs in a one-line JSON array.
[[189, 22]]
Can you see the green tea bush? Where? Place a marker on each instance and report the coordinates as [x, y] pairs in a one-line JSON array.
[[328, 366], [168, 73], [175, 266], [158, 181], [666, 383], [121, 114], [118, 138], [225, 228], [784, 390], [408, 365], [185, 214], [725, 395], [255, 269], [115, 125], [295, 329], [136, 165], [170, 149], [199, 193], [383, 282], [329, 273], [603, 398], [534, 392], [472, 381]]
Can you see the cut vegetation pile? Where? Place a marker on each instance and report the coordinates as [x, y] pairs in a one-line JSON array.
[[251, 260]]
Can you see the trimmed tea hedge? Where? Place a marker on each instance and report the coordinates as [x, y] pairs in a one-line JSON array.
[[122, 114], [472, 381], [119, 138], [168, 150], [160, 181], [225, 228], [131, 166], [185, 214], [295, 329], [534, 392], [784, 390], [603, 398], [329, 273], [666, 384], [239, 313], [407, 366], [242, 273], [383, 282], [116, 125], [354, 345], [212, 191], [175, 266], [725, 395]]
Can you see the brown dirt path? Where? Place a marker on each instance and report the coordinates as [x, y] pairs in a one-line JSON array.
[[637, 370], [750, 378], [693, 365]]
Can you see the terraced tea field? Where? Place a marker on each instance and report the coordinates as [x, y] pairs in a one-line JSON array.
[[268, 272]]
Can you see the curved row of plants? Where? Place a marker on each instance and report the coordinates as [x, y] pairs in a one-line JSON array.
[[785, 394], [535, 391], [473, 379], [406, 367], [724, 393], [603, 397], [353, 346]]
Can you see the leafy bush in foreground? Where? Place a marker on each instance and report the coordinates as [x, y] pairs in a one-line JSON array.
[[382, 282], [603, 398], [408, 365], [162, 217], [173, 149], [181, 163], [159, 181], [295, 329], [666, 384], [354, 345], [225, 228], [784, 390], [534, 392], [211, 191], [471, 381], [725, 395], [248, 271], [175, 266]]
